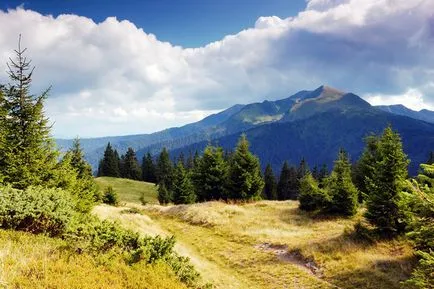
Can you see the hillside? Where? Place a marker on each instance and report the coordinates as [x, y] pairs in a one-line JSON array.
[[424, 114], [129, 191], [271, 244]]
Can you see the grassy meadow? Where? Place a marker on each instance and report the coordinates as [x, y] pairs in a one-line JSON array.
[[271, 244], [129, 190]]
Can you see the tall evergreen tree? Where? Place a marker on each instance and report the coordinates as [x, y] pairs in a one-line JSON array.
[[343, 193], [323, 173], [110, 163], [164, 170], [182, 190], [148, 169], [244, 180], [385, 208], [28, 156], [131, 168], [270, 185], [312, 197], [164, 195], [190, 161], [210, 175], [288, 185]]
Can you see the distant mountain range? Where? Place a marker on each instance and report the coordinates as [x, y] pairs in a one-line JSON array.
[[310, 124]]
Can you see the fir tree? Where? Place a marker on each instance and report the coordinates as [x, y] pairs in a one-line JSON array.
[[210, 175], [343, 193], [28, 156], [323, 173], [385, 208], [181, 158], [131, 168], [182, 189], [164, 170], [312, 197], [245, 180], [110, 163], [190, 161], [270, 186], [164, 196], [288, 185], [148, 169]]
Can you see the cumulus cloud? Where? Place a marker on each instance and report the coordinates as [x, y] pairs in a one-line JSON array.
[[113, 78]]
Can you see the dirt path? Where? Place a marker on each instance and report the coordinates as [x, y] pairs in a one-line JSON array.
[[219, 276]]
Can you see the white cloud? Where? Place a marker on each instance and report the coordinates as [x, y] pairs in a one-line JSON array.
[[113, 78], [412, 98]]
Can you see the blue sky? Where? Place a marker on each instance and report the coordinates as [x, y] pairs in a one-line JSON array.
[[129, 67], [189, 23]]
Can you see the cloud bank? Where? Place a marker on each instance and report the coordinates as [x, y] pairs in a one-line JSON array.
[[113, 78]]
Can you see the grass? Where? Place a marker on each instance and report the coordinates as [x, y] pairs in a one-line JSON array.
[[129, 191], [272, 245], [31, 261]]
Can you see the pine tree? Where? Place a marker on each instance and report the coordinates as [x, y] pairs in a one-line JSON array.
[[190, 161], [245, 180], [210, 175], [181, 158], [288, 185], [343, 193], [164, 170], [270, 185], [182, 190], [384, 203], [148, 169], [28, 156], [110, 163], [323, 173], [164, 196], [131, 168], [312, 197]]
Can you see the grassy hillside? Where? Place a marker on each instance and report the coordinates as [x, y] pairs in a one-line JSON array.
[[31, 261], [129, 190], [272, 245]]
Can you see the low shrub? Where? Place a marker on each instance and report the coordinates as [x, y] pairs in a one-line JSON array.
[[36, 210], [110, 196]]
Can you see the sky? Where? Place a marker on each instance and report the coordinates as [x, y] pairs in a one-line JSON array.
[[130, 67]]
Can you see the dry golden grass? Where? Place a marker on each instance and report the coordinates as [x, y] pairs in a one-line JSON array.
[[29, 261], [226, 244]]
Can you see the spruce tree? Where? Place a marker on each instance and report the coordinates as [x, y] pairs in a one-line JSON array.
[[164, 170], [323, 173], [245, 180], [288, 185], [131, 168], [182, 189], [164, 195], [110, 163], [270, 186], [148, 169], [385, 208], [312, 197], [210, 175], [28, 156], [343, 193]]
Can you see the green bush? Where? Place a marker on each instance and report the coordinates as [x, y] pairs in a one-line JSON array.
[[110, 196], [423, 276], [312, 197], [36, 210]]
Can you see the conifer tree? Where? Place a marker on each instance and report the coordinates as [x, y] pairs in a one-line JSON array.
[[28, 156], [210, 175], [181, 158], [245, 180], [311, 197], [164, 195], [164, 170], [385, 208], [323, 173], [343, 193], [110, 163], [148, 169], [270, 185], [182, 190], [288, 185], [190, 161], [131, 168], [430, 160]]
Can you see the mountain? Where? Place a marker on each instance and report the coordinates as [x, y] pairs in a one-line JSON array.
[[399, 109], [312, 124]]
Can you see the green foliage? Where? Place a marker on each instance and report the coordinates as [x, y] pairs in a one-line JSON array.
[[110, 196], [244, 180], [343, 194], [311, 197], [130, 166], [35, 210], [109, 166], [288, 185], [148, 169], [210, 175], [164, 195], [164, 169], [423, 276], [385, 205], [270, 186], [27, 156], [183, 189]]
